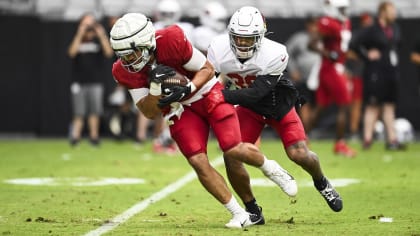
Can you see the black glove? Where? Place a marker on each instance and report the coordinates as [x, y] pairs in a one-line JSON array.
[[177, 94], [160, 73]]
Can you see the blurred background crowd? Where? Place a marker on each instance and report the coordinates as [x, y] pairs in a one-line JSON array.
[[43, 78]]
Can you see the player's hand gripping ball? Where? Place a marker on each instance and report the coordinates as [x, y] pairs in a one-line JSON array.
[[169, 83]]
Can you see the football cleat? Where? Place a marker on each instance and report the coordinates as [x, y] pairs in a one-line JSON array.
[[240, 221], [332, 197], [257, 217], [341, 148], [283, 179]]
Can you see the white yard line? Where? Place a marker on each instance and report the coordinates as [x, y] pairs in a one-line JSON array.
[[140, 206]]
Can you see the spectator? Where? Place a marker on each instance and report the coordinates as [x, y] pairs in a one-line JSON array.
[[378, 45], [88, 50], [332, 43], [255, 65], [415, 58], [354, 69], [301, 63], [190, 109]]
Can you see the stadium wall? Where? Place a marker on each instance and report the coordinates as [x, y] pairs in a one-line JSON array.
[[36, 73]]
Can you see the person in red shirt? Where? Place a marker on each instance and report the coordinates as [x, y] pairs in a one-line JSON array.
[[146, 59], [332, 43]]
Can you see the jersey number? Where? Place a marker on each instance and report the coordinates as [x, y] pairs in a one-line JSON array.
[[240, 81]]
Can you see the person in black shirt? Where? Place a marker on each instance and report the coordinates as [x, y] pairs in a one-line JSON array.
[[415, 58], [87, 50], [378, 45]]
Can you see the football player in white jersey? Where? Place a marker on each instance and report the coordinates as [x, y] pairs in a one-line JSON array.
[[255, 65], [169, 12], [213, 19]]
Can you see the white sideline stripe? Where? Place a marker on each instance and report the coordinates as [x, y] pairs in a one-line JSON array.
[[140, 206]]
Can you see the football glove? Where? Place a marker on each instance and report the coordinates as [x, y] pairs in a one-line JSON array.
[[177, 94], [156, 76]]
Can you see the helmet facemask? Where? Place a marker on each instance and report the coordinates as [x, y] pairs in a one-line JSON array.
[[244, 46], [133, 60]]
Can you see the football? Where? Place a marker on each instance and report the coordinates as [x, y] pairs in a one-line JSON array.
[[176, 80]]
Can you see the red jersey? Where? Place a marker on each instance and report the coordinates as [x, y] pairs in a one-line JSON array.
[[172, 49], [336, 36]]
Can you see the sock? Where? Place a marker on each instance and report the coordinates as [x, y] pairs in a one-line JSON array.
[[321, 183], [233, 207], [252, 206], [266, 165]]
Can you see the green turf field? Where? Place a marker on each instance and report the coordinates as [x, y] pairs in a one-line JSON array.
[[72, 201]]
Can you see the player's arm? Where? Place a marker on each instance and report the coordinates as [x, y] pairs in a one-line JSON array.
[[204, 72], [203, 68], [324, 29], [262, 86], [148, 106]]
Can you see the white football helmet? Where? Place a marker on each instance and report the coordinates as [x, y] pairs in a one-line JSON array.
[[404, 131], [133, 40], [168, 12], [337, 8], [246, 30], [214, 16]]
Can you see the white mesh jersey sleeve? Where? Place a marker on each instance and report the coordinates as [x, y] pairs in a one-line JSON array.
[[138, 94], [218, 51], [273, 58]]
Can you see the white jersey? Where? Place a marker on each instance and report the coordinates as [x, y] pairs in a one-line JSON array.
[[202, 37], [270, 59], [187, 27]]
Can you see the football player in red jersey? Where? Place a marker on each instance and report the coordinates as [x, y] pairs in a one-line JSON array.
[[255, 65], [148, 57], [334, 37]]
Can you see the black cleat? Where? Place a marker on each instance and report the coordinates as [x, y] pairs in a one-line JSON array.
[[395, 146], [332, 197], [257, 218], [74, 142]]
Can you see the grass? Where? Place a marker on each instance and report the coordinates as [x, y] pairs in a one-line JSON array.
[[389, 187]]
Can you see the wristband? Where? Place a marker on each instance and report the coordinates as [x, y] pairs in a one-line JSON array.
[[192, 86], [155, 89]]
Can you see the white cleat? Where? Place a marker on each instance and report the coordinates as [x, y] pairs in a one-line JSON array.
[[240, 221], [283, 179]]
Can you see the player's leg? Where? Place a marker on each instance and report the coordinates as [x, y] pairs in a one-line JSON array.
[[191, 135], [338, 88], [291, 131], [226, 129], [225, 118]]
